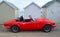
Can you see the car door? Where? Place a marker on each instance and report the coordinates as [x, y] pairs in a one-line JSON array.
[[30, 26]]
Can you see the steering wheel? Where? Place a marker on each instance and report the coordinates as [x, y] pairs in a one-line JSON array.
[[31, 17]]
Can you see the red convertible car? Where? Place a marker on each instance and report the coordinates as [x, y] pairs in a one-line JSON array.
[[21, 24]]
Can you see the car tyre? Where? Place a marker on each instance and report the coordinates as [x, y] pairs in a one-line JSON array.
[[15, 29], [47, 28]]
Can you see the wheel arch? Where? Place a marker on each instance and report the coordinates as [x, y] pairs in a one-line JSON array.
[[48, 24], [45, 25], [15, 25]]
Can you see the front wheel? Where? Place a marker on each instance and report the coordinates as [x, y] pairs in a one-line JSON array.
[[47, 28], [15, 29]]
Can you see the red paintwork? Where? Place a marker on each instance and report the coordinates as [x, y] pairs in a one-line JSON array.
[[38, 24]]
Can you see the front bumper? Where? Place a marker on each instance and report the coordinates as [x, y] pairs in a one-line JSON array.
[[53, 26]]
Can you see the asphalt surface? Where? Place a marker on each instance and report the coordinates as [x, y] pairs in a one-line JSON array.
[[7, 33]]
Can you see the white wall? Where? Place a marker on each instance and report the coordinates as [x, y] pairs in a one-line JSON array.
[[53, 12], [34, 11], [6, 13], [17, 13]]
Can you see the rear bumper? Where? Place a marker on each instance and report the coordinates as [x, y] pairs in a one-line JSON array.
[[7, 27]]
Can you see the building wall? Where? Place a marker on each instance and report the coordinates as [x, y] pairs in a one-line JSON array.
[[53, 12], [17, 13], [6, 13], [44, 12], [34, 11]]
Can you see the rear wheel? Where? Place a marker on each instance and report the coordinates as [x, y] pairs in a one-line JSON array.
[[47, 28], [15, 29]]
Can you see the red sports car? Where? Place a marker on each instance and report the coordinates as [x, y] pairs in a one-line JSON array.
[[20, 24]]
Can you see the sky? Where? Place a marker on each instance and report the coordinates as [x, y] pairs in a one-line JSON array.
[[23, 3]]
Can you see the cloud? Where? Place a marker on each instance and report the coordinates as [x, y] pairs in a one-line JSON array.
[[11, 0]]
